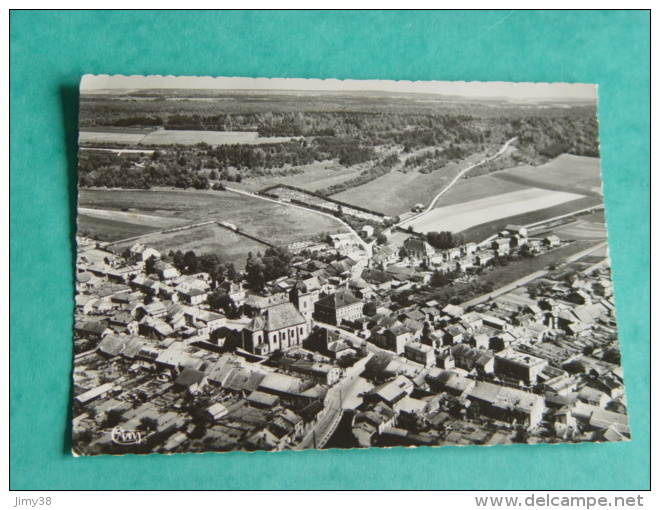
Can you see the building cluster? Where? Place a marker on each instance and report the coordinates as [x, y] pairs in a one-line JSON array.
[[153, 357], [514, 369]]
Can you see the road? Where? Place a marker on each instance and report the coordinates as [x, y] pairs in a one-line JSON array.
[[365, 246], [334, 407], [455, 180], [525, 280]]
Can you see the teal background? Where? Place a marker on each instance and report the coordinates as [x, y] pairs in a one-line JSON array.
[[50, 51]]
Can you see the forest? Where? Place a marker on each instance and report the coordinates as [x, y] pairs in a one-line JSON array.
[[383, 134]]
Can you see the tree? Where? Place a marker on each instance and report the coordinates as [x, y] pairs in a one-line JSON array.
[[191, 262], [521, 435], [574, 367], [148, 424], [381, 239], [112, 418], [150, 265], [231, 273], [612, 355], [220, 300]]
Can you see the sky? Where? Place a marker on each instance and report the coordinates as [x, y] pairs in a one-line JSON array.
[[515, 91]]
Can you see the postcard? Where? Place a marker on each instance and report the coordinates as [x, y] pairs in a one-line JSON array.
[[284, 264]]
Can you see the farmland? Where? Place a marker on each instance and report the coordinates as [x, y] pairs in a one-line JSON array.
[[579, 174], [459, 217], [397, 192], [480, 232], [168, 137], [276, 223]]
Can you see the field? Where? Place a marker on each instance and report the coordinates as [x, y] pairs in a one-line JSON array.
[[398, 192], [168, 137], [149, 220], [229, 246], [313, 177], [459, 217], [110, 137], [120, 214], [578, 229], [110, 230], [577, 173], [476, 188]]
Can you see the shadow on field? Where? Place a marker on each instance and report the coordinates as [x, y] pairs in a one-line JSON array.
[[69, 100]]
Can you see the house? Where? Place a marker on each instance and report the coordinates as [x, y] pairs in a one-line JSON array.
[[145, 284], [323, 373], [508, 404], [141, 253], [91, 330], [420, 353], [483, 258], [517, 241], [192, 379], [193, 296], [469, 358], [415, 248], [94, 394], [495, 322], [337, 307], [280, 327], [551, 241], [384, 256], [367, 231], [516, 230], [602, 288], [165, 271], [369, 423], [154, 328], [453, 311], [123, 322], [468, 249], [534, 246], [217, 411], [329, 343], [471, 321], [450, 382], [502, 245], [454, 334], [480, 341], [341, 241], [393, 338], [391, 393], [203, 321], [519, 366]]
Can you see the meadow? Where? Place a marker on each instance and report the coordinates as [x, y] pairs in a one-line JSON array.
[[274, 222], [577, 173], [229, 246], [312, 177], [398, 192]]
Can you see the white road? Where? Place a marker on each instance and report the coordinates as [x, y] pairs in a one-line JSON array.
[[455, 180]]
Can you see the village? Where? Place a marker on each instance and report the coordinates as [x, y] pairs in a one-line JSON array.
[[328, 357]]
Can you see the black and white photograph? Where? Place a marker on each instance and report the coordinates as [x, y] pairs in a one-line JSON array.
[[290, 264]]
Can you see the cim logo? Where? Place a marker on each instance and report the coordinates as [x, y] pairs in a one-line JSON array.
[[127, 437]]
